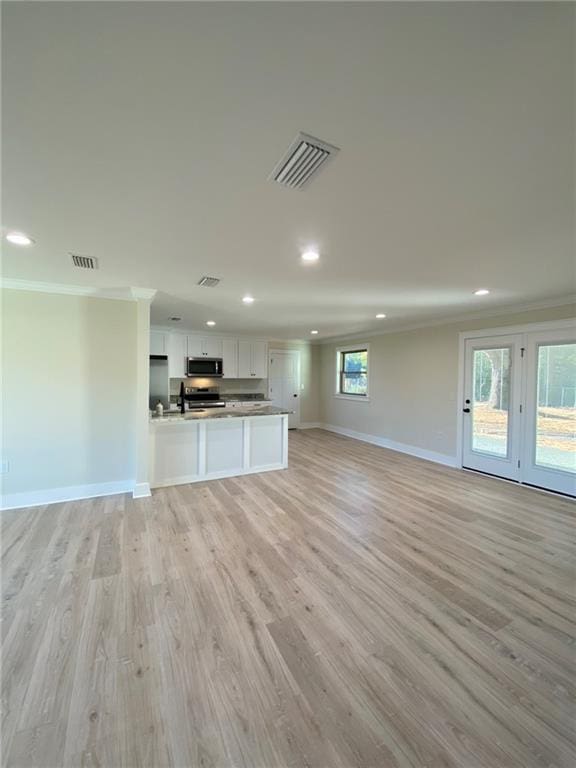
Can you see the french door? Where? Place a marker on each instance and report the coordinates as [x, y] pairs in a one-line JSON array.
[[549, 449], [519, 409], [492, 394]]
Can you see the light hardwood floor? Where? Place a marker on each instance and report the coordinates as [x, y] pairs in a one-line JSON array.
[[362, 608]]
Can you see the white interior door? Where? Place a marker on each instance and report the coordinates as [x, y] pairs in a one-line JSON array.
[[284, 383], [491, 408], [549, 455]]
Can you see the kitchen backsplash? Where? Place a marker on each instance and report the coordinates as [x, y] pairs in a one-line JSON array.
[[226, 386]]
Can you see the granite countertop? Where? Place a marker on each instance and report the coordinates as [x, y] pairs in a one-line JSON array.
[[219, 413]]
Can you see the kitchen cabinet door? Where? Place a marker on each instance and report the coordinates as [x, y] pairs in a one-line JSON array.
[[260, 359], [157, 343], [244, 359], [212, 347], [230, 358], [177, 353], [195, 345]]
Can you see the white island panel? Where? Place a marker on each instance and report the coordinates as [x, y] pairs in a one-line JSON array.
[[224, 446], [266, 442], [175, 453], [187, 450]]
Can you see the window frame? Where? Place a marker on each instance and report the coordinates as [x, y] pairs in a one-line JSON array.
[[346, 395]]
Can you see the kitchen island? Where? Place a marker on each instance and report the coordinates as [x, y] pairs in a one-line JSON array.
[[216, 443]]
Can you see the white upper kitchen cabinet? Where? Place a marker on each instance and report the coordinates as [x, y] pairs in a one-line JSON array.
[[158, 343], [177, 352], [204, 346], [244, 359], [230, 358], [212, 347], [241, 359], [260, 359], [195, 345], [252, 359]]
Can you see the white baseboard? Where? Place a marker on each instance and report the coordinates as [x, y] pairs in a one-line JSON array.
[[68, 493], [310, 425], [141, 490], [412, 450]]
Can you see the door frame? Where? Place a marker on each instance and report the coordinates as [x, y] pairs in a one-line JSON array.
[[297, 409], [506, 330], [507, 467]]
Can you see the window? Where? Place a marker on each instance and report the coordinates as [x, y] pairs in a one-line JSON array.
[[353, 372]]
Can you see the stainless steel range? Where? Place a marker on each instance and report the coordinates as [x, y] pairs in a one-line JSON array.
[[199, 398]]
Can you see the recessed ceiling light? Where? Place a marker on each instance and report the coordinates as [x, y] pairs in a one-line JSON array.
[[19, 238], [248, 299], [210, 322], [313, 333], [175, 319], [310, 255], [380, 315], [481, 292]]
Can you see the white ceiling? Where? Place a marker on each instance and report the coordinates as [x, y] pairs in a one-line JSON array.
[[143, 135]]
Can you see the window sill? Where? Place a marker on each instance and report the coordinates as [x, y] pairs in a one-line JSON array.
[[353, 398]]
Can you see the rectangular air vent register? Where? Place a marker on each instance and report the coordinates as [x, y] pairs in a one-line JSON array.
[[302, 161], [84, 262]]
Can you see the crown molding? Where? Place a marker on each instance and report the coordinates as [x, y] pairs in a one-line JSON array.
[[484, 315], [143, 293], [120, 294]]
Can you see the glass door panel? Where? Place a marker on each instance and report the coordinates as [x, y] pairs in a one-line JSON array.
[[492, 397], [556, 414], [550, 455], [491, 401]]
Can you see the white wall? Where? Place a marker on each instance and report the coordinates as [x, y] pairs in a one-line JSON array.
[[68, 395], [413, 384]]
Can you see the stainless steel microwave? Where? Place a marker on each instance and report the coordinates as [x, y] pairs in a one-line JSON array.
[[208, 367]]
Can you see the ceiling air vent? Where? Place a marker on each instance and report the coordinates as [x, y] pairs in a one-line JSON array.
[[84, 262], [304, 158], [209, 282]]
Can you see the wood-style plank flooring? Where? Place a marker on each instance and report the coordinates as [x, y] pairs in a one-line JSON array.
[[362, 608]]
